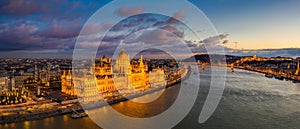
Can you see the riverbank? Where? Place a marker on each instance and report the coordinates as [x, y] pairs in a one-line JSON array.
[[77, 107], [285, 76]]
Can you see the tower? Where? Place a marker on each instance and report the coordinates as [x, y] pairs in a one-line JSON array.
[[142, 64], [92, 67], [67, 85], [58, 72], [123, 48], [298, 67], [36, 75], [48, 73], [254, 56]]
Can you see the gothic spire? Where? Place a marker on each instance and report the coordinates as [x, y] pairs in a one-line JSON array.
[[123, 49]]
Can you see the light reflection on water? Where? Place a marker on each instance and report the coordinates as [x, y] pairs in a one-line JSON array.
[[27, 124], [250, 100]]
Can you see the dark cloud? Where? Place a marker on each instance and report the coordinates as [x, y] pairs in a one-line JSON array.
[[189, 43], [113, 39], [225, 41], [61, 31], [48, 10], [23, 36], [44, 10], [162, 30], [147, 20], [45, 26], [24, 7], [156, 36], [174, 30], [16, 37], [136, 22], [211, 43], [175, 19], [93, 28], [215, 40], [178, 16], [128, 11]]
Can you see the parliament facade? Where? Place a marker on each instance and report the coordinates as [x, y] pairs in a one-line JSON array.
[[124, 76]]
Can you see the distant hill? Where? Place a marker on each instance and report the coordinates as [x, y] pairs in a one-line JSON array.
[[214, 58]]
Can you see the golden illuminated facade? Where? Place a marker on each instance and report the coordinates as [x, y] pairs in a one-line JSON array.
[[103, 73], [86, 88], [130, 76], [255, 58], [123, 76], [156, 78], [67, 85]]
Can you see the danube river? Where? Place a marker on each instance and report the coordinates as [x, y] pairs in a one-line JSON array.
[[250, 101]]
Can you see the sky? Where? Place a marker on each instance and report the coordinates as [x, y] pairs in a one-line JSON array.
[[256, 24], [35, 28]]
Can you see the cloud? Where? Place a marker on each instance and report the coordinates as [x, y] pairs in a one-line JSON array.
[[143, 21], [156, 36], [22, 36], [13, 37], [35, 25], [144, 28], [174, 30], [129, 11], [113, 39], [45, 11], [215, 40], [176, 18], [95, 27], [23, 8], [61, 31], [213, 44], [179, 15], [129, 23], [58, 35]]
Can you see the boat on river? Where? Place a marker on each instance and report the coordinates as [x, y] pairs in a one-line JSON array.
[[76, 114], [279, 77], [269, 75]]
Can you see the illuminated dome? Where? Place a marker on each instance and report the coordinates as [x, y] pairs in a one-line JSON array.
[[123, 56], [122, 62]]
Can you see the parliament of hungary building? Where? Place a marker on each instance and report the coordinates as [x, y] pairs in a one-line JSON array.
[[107, 79]]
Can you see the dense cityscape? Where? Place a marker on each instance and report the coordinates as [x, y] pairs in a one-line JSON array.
[[36, 85]]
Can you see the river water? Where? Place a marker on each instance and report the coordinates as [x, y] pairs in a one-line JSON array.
[[249, 101]]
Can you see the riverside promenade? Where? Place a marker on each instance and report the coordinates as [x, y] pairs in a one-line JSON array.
[[287, 76]]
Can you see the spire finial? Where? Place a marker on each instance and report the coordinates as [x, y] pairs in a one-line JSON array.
[[122, 42], [141, 60]]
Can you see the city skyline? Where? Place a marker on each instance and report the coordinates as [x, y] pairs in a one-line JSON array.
[[140, 64], [35, 29]]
